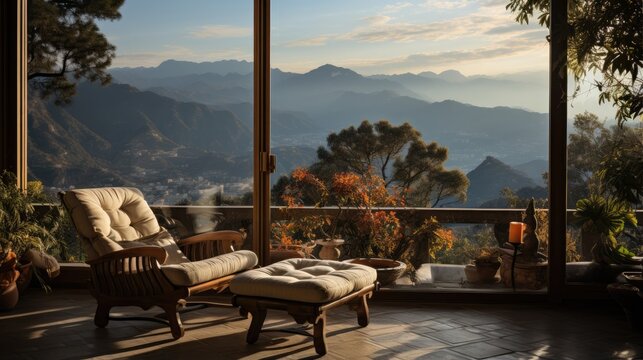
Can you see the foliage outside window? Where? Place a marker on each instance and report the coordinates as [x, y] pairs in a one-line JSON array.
[[366, 218], [605, 39]]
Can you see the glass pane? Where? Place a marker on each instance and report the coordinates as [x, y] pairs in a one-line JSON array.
[[601, 172], [176, 120], [397, 112]]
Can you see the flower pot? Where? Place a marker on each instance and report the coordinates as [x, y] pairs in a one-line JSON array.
[[482, 273], [330, 249], [634, 278], [293, 251], [531, 276], [387, 270], [8, 296], [26, 273]]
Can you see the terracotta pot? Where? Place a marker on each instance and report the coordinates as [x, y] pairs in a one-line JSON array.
[[330, 248], [634, 278], [482, 273], [283, 254], [26, 273], [8, 296], [531, 276], [387, 270]]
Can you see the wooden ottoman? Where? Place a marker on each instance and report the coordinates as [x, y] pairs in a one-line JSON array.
[[306, 289]]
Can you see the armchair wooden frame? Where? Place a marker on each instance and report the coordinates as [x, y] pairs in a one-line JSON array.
[[133, 277]]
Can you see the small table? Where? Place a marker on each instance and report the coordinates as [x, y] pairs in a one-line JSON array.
[[306, 289]]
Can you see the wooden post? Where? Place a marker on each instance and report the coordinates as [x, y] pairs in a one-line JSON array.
[[557, 148], [13, 89], [261, 148]]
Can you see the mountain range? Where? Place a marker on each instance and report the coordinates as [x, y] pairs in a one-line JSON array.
[[183, 119], [330, 98]]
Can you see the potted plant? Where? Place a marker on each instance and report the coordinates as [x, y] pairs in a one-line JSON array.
[[373, 235], [484, 266], [9, 274], [606, 218], [285, 245], [25, 233]]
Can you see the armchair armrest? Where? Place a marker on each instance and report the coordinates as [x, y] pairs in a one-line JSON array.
[[155, 252], [212, 243], [130, 272]]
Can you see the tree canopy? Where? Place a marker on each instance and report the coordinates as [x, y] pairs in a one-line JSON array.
[[605, 160], [604, 38], [398, 155], [65, 44]]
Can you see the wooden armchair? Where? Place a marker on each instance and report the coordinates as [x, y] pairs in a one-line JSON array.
[[135, 262]]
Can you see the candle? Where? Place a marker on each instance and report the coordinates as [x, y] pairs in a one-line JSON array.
[[515, 232]]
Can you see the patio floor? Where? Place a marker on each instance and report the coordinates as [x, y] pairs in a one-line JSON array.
[[60, 326]]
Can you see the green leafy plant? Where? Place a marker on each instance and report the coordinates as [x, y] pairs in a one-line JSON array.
[[486, 256], [607, 217], [22, 228]]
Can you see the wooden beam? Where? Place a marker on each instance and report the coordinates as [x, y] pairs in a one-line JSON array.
[[261, 148], [557, 148], [13, 89]]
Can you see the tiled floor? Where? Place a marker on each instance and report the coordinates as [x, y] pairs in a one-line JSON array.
[[59, 326]]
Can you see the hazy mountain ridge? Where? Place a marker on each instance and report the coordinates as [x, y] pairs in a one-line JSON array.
[[195, 120], [520, 92]]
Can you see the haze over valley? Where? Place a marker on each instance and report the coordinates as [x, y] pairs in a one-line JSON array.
[[183, 130]]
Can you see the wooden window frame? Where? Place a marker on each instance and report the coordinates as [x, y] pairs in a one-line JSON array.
[[13, 124]]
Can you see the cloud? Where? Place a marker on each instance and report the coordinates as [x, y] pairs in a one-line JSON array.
[[504, 29], [377, 20], [309, 42], [492, 3], [381, 28], [512, 46], [393, 8], [221, 31], [445, 5]]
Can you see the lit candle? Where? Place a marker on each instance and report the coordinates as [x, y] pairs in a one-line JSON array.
[[515, 232]]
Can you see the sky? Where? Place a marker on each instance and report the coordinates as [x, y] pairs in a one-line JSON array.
[[368, 36]]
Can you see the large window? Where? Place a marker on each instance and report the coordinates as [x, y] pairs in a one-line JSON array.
[[397, 113], [176, 121]]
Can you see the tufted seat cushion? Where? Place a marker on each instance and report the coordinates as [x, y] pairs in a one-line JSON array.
[[304, 280], [196, 272]]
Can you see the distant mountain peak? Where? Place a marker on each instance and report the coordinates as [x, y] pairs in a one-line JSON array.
[[452, 75], [491, 163], [488, 178], [332, 71]]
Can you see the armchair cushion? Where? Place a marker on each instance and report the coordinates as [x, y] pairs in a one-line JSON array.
[[163, 239], [112, 213], [196, 272]]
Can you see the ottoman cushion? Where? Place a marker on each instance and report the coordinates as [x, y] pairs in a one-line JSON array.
[[304, 280]]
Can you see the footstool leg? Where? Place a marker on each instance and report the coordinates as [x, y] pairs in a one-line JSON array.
[[319, 334], [258, 316], [243, 312], [362, 311]]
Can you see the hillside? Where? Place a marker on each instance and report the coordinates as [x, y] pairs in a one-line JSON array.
[[491, 176], [122, 133]]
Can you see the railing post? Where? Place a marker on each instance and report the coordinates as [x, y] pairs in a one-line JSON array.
[[557, 148]]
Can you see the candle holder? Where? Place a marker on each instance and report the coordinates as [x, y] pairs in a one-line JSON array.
[[513, 265]]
